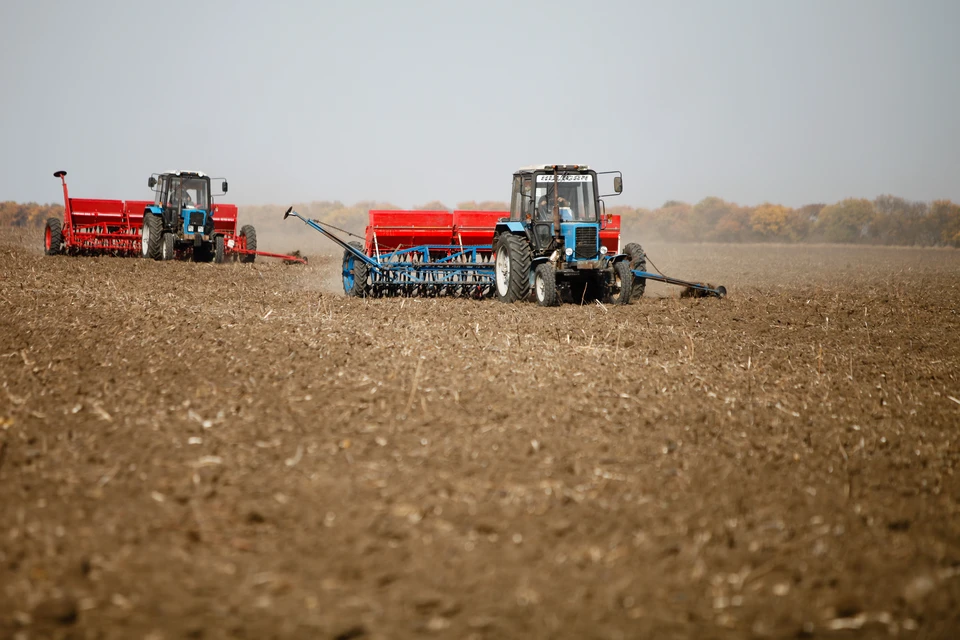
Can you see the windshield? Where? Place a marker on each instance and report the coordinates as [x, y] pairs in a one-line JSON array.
[[195, 193], [577, 201], [185, 193]]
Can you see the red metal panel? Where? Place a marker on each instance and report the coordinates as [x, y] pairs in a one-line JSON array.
[[225, 219], [392, 230], [134, 212], [88, 212], [610, 235], [475, 228]]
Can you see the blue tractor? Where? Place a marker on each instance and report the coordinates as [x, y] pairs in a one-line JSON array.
[[551, 242], [181, 218]]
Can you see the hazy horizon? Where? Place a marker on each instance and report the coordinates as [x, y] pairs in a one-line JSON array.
[[406, 103]]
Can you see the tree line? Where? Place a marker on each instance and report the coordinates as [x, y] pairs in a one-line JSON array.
[[28, 214], [888, 219]]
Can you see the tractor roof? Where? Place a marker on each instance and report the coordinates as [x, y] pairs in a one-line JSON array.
[[199, 174], [550, 167]]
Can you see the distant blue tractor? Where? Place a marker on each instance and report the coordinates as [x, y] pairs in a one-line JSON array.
[[551, 242], [181, 218]]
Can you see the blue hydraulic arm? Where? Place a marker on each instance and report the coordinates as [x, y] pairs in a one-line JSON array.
[[359, 255], [719, 292]]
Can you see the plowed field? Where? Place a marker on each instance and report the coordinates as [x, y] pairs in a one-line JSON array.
[[239, 451]]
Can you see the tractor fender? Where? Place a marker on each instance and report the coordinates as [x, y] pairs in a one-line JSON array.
[[515, 227], [152, 209], [533, 267], [538, 261], [617, 257]]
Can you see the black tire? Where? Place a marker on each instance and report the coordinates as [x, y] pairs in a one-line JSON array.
[[545, 285], [622, 286], [218, 249], [250, 234], [355, 273], [638, 262], [168, 247], [151, 236], [53, 237], [202, 253], [586, 291], [512, 257]]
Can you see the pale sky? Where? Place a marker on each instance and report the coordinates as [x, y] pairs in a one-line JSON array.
[[784, 101]]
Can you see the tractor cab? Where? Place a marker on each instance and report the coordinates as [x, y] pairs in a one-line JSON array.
[[559, 208], [181, 216], [185, 202]]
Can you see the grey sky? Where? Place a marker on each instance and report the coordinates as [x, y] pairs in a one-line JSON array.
[[791, 102]]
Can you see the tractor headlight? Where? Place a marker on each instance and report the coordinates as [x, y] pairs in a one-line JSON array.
[[199, 229], [569, 251], [190, 228], [603, 251]]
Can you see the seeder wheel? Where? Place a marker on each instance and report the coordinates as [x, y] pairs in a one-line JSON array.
[[249, 235], [355, 273], [638, 262], [53, 237]]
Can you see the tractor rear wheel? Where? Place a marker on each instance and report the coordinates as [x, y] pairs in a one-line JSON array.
[[622, 283], [512, 259], [53, 237], [638, 262], [355, 273], [249, 234], [151, 236], [168, 242], [545, 285], [218, 249]]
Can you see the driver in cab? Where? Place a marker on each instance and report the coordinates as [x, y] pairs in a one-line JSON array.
[[545, 209]]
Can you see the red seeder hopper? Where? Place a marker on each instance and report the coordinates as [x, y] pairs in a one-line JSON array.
[[390, 231]]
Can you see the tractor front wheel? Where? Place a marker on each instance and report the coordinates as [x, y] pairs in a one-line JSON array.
[[545, 285], [53, 237], [218, 249], [168, 244], [355, 272], [151, 236], [512, 259]]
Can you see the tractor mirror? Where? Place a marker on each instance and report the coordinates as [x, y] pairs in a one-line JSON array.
[[224, 186], [151, 182], [618, 184]]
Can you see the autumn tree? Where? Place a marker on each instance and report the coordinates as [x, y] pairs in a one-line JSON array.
[[771, 221], [484, 205], [734, 225], [944, 218], [433, 205], [898, 221], [847, 221], [707, 214], [673, 221]]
